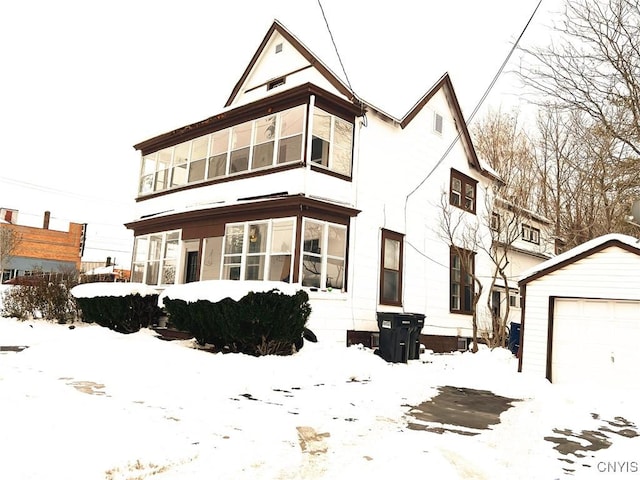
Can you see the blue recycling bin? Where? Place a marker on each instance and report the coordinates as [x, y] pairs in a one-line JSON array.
[[514, 338]]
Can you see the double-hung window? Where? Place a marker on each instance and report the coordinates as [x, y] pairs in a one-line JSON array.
[[531, 234], [332, 142], [391, 268], [260, 250], [461, 281], [462, 192], [323, 254]]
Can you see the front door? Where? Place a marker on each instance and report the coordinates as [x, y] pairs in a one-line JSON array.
[[191, 274]]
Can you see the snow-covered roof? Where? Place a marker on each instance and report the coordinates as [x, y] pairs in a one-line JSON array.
[[585, 249]]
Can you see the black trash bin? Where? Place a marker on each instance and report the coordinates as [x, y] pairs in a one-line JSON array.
[[399, 336], [417, 322]]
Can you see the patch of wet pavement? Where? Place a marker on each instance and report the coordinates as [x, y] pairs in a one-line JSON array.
[[12, 348], [473, 410], [572, 444]]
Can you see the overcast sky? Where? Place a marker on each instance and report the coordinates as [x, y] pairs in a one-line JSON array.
[[82, 82]]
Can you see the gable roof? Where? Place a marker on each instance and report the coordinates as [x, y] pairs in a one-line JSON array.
[[444, 84], [626, 242], [276, 26]]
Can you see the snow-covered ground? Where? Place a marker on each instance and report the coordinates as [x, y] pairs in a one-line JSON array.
[[88, 403]]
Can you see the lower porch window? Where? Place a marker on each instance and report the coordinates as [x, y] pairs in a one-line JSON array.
[[323, 254], [155, 258], [259, 250]]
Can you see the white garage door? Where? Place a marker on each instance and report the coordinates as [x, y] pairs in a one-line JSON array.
[[595, 341]]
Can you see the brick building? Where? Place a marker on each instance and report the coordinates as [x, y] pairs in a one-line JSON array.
[[41, 249]]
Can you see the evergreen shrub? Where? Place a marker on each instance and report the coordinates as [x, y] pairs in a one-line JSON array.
[[123, 314], [260, 323]]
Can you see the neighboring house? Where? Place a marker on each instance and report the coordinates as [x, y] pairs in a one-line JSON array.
[[41, 250], [298, 179], [581, 318], [526, 239], [104, 272]]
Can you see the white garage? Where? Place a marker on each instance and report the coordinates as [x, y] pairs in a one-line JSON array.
[[581, 314]]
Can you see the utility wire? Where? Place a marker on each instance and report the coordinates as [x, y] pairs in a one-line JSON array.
[[42, 188], [335, 47], [482, 99]]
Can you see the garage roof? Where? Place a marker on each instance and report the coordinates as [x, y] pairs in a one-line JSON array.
[[626, 242]]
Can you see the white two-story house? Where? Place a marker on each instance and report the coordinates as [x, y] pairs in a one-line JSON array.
[[523, 239], [297, 179]]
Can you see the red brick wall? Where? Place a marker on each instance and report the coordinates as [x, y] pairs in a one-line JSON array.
[[44, 244]]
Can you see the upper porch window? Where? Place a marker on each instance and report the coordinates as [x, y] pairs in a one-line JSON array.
[[253, 145], [257, 144], [332, 142]]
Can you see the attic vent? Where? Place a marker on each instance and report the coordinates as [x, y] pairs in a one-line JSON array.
[[275, 83], [437, 123], [278, 47]]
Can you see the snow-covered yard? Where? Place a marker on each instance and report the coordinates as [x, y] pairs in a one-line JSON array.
[[89, 403]]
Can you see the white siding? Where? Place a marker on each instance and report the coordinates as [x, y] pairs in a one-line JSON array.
[[389, 163], [271, 65], [612, 273]]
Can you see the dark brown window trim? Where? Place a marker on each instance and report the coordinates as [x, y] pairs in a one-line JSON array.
[[293, 72], [227, 178], [463, 255], [292, 97], [213, 218], [388, 234], [249, 174], [331, 173], [465, 180]]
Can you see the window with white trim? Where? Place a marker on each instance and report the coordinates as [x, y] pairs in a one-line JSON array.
[[260, 250], [437, 123], [332, 142], [324, 248], [261, 143], [531, 234], [155, 258], [514, 300], [462, 192]]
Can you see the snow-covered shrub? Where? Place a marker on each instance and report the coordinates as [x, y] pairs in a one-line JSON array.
[[123, 307], [126, 314], [259, 323]]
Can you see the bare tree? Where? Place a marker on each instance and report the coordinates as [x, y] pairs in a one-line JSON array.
[[10, 240], [501, 141], [586, 176], [462, 232], [593, 66]]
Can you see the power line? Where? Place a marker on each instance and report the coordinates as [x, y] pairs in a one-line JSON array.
[[482, 99], [43, 188], [335, 47]]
